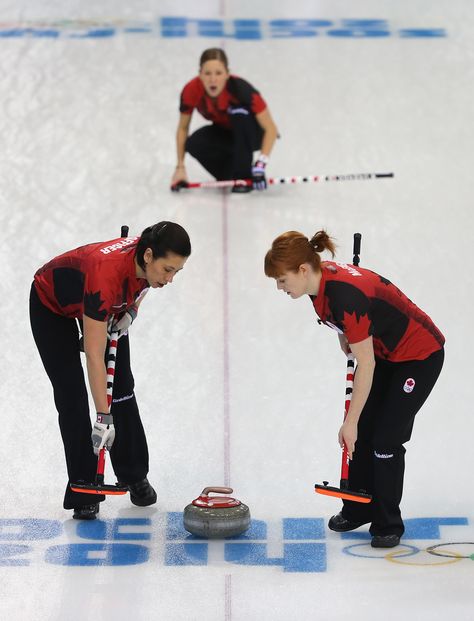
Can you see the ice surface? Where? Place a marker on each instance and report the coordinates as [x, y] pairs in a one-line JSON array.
[[236, 384]]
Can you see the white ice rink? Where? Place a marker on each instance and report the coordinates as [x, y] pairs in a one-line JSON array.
[[237, 384]]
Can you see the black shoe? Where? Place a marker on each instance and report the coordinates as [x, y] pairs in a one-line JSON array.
[[385, 541], [142, 494], [341, 525], [241, 189], [86, 512]]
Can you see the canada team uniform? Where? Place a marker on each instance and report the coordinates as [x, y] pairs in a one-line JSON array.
[[409, 352], [224, 148], [98, 281], [237, 93]]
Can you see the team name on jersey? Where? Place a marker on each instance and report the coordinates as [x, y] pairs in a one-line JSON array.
[[350, 268], [128, 241]]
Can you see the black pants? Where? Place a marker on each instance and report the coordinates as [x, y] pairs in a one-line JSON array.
[[227, 153], [386, 423], [57, 339]]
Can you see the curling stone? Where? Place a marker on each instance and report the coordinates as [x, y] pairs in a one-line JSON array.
[[216, 517]]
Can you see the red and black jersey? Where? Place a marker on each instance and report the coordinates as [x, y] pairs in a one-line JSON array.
[[359, 303], [237, 92], [97, 280]]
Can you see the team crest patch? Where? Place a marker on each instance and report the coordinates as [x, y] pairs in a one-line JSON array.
[[409, 385]]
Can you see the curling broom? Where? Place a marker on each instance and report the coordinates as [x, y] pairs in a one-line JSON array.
[[230, 183], [343, 491]]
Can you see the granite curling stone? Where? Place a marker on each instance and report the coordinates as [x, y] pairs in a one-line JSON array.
[[216, 517]]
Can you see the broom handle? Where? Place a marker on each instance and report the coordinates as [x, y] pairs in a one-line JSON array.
[[344, 484], [110, 386], [349, 387], [230, 183], [111, 355]]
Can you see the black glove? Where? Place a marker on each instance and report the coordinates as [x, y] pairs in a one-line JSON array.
[[179, 185]]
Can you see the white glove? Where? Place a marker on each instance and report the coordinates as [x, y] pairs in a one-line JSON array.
[[122, 323], [103, 432]]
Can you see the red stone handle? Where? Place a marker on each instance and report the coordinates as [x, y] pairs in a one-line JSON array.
[[217, 490]]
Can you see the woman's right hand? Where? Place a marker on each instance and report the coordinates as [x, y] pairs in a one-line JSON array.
[[348, 436], [179, 178]]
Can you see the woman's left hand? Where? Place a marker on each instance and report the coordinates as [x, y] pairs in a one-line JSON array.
[[122, 323], [348, 436]]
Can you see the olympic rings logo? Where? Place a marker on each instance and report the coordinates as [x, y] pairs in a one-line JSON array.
[[449, 553]]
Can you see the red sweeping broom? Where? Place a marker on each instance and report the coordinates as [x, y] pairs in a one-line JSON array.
[[343, 490]]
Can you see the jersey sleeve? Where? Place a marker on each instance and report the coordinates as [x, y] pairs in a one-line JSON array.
[[189, 97], [98, 296], [258, 103], [246, 94], [350, 308]]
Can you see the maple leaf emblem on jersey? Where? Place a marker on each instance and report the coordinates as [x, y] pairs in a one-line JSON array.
[[363, 322], [92, 304]]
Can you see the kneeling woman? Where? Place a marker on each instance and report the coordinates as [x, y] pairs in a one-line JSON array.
[[241, 124], [399, 353], [101, 285]]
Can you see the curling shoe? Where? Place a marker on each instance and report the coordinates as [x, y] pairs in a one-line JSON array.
[[241, 189], [142, 494], [86, 512], [385, 541], [339, 524]]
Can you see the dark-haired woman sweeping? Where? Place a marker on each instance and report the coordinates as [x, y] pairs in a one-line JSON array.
[[399, 353], [241, 124], [101, 285]]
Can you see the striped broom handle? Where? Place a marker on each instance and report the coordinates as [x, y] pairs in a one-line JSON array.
[[349, 378], [349, 388], [230, 183]]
